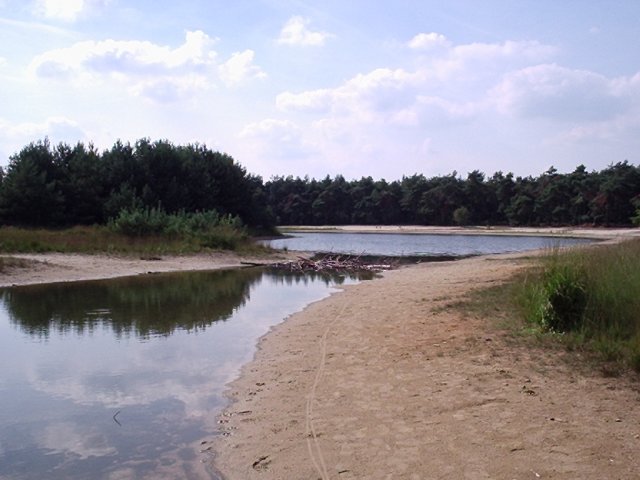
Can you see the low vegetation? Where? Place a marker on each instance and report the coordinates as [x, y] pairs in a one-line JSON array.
[[206, 229], [590, 299], [107, 239], [584, 300]]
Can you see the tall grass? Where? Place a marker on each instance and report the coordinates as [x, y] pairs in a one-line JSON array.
[[592, 297]]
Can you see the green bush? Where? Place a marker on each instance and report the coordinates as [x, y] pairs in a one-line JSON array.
[[140, 222], [564, 301], [155, 221], [208, 229]]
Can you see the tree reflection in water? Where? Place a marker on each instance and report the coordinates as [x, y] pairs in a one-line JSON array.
[[142, 306]]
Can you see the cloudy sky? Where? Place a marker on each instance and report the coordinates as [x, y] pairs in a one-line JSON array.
[[350, 87]]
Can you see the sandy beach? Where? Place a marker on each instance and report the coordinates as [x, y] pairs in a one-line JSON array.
[[387, 380]]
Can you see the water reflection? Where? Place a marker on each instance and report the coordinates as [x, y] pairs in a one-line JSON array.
[[155, 305], [144, 307], [157, 349]]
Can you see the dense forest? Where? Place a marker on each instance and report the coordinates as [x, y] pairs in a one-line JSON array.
[[60, 186], [610, 197], [56, 186]]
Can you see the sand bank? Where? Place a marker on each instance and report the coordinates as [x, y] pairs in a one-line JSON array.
[[64, 267]]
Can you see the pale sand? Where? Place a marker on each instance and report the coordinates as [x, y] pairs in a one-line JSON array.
[[385, 380]]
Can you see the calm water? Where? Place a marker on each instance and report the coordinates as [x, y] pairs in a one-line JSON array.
[[416, 244], [123, 378]]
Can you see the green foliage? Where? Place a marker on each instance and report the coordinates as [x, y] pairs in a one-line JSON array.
[[635, 220], [208, 229], [461, 216], [61, 186], [563, 301], [580, 197], [102, 239], [592, 296]]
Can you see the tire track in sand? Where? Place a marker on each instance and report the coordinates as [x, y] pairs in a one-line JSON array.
[[313, 446]]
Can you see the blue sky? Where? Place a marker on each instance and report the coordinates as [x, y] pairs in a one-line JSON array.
[[358, 88]]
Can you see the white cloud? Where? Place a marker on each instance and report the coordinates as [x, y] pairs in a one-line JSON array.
[[481, 60], [389, 112], [276, 146], [554, 92], [116, 57], [295, 32], [240, 68], [57, 128], [67, 10], [403, 96], [14, 136], [157, 72], [283, 138], [380, 90], [312, 101], [427, 41], [282, 129]]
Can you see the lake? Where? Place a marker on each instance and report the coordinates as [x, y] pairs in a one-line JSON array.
[[398, 244], [124, 378]]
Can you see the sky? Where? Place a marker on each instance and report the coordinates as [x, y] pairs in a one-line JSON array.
[[351, 87]]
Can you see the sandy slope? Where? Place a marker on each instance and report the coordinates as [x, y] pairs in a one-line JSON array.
[[386, 381]]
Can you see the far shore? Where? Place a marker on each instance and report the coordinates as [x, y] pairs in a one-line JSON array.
[[578, 232]]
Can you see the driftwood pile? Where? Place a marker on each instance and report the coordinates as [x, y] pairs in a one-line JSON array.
[[329, 263]]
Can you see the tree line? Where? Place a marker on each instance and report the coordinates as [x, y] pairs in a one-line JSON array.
[[47, 186], [63, 185], [610, 197]]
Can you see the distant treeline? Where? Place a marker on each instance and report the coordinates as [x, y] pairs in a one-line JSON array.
[[610, 197], [64, 185]]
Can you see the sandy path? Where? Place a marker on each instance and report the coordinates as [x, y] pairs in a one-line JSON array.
[[384, 381]]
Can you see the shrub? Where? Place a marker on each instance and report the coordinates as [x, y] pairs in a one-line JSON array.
[[208, 229], [564, 301], [140, 222]]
